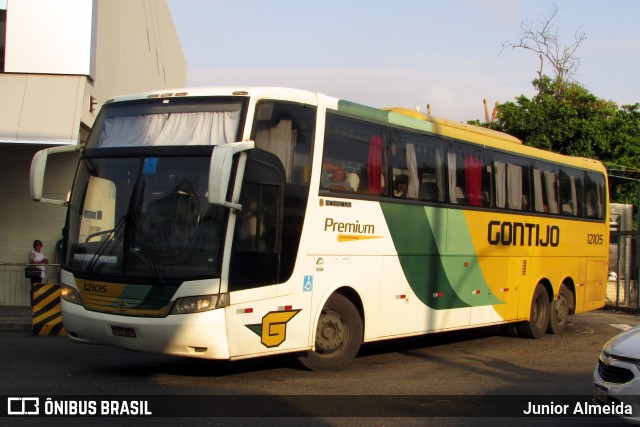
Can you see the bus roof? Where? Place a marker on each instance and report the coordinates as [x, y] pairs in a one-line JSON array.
[[249, 91], [455, 125]]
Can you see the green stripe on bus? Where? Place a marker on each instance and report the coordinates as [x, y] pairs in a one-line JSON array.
[[418, 253], [440, 282], [146, 297], [384, 116], [363, 111], [461, 263], [410, 122]]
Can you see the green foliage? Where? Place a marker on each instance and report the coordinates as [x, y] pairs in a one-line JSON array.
[[566, 118]]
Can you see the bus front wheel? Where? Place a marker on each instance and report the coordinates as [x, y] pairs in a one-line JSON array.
[[338, 336], [536, 326]]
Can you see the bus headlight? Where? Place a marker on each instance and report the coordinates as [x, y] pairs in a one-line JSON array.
[[200, 303], [70, 294]]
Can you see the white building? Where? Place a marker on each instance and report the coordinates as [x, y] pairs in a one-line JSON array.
[[59, 61]]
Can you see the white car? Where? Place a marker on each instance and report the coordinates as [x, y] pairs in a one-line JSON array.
[[616, 379]]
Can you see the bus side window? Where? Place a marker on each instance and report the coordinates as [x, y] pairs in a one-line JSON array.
[[428, 189], [456, 196], [469, 178], [336, 178], [511, 184], [279, 140], [354, 158], [594, 196], [419, 160], [403, 165], [571, 191], [545, 191], [286, 130]]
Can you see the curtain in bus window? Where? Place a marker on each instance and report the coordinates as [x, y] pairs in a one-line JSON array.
[[573, 203], [473, 180], [440, 174], [550, 188], [374, 165], [412, 164], [451, 169], [279, 140], [574, 195], [590, 204], [514, 186], [131, 130], [537, 191], [594, 191], [500, 184], [600, 202], [204, 128]]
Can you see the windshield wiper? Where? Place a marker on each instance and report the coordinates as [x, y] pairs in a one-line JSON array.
[[147, 253], [115, 235]]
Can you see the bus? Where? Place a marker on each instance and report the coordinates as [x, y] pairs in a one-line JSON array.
[[230, 223]]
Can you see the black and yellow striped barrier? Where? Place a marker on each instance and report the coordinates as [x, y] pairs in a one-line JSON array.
[[45, 306]]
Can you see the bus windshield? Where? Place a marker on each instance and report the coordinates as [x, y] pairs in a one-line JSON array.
[[139, 209], [144, 217]]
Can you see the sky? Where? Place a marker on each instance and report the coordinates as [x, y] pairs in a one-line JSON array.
[[406, 53]]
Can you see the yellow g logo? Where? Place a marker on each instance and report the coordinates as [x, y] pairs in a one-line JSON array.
[[273, 330]]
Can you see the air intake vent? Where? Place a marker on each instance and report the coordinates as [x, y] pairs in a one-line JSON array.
[[614, 374]]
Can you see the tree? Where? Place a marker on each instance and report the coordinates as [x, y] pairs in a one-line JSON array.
[[566, 118], [545, 42], [575, 122]]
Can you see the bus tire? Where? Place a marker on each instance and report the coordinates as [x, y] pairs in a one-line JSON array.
[[559, 313], [536, 326], [338, 336]]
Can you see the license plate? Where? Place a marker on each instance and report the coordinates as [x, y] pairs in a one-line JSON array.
[[121, 331], [600, 393]]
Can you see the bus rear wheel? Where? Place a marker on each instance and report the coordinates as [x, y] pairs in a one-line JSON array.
[[536, 326], [560, 309], [338, 336]]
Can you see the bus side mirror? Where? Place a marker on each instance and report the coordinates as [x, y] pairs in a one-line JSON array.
[[38, 167], [220, 171]]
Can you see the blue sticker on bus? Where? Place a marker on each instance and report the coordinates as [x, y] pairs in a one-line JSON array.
[[308, 284], [150, 165]]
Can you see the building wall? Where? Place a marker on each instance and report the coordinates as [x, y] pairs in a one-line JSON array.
[[48, 37], [21, 220], [40, 108], [136, 49]]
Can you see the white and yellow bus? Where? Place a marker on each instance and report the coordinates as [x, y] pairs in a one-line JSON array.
[[229, 223]]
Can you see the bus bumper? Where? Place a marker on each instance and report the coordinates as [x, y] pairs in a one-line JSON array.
[[201, 335]]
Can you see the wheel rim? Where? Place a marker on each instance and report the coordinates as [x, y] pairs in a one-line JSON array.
[[332, 333], [537, 312], [561, 309]]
